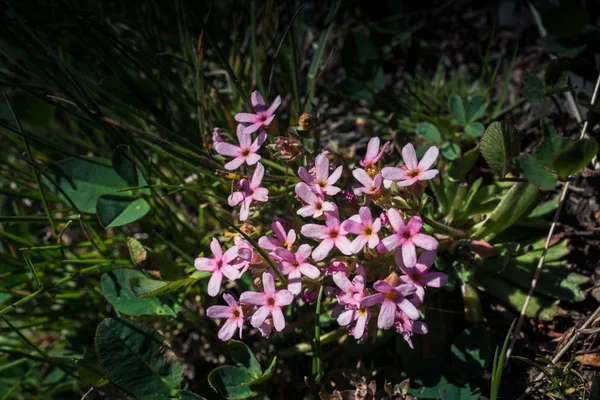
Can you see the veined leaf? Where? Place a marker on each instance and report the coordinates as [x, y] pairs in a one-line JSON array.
[[500, 144], [574, 157], [114, 210], [536, 173]]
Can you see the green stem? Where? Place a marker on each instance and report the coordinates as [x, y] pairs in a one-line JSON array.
[[318, 354], [456, 233]]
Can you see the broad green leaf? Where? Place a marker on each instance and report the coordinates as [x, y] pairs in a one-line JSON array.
[[430, 376], [144, 287], [474, 129], [550, 145], [125, 167], [499, 145], [460, 167], [540, 307], [557, 73], [574, 157], [471, 352], [429, 132], [134, 357], [231, 382], [115, 210], [450, 150], [475, 108], [534, 88], [457, 109], [267, 374], [115, 287], [185, 395], [466, 392], [562, 47], [85, 180], [536, 173], [244, 358], [517, 202]]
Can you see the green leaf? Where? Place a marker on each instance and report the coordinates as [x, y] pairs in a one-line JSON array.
[[472, 351], [429, 132], [457, 109], [244, 358], [499, 145], [125, 167], [515, 204], [137, 251], [231, 382], [563, 47], [534, 88], [115, 287], [85, 180], [474, 129], [460, 167], [115, 210], [536, 173], [89, 371], [144, 287], [550, 145], [466, 392], [450, 150], [574, 157], [475, 108], [540, 307], [557, 73], [135, 359]]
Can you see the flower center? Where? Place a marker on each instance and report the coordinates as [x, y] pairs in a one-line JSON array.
[[333, 233], [415, 276], [285, 245], [262, 117], [407, 235], [413, 173], [295, 264], [362, 312], [235, 314], [271, 301], [393, 295], [319, 205], [368, 231], [245, 152], [371, 169], [322, 184]]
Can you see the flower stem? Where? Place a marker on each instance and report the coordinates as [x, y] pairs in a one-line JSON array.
[[456, 233], [317, 353]]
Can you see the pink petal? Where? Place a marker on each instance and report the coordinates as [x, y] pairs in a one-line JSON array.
[[387, 315], [257, 100], [358, 244], [409, 156], [285, 254], [255, 298], [414, 225], [278, 230], [427, 258], [429, 158], [268, 283], [420, 327], [308, 211], [406, 289], [214, 284], [261, 194], [382, 287], [252, 159], [243, 139], [291, 237], [435, 279], [395, 219], [295, 282], [226, 149], [352, 227], [283, 298], [380, 154], [218, 312], [361, 322], [372, 300], [230, 300], [332, 219], [426, 175], [322, 167], [310, 271], [393, 173], [260, 139], [342, 281], [203, 264], [235, 198], [335, 175], [235, 163], [407, 182], [227, 330], [400, 263], [305, 193], [322, 250], [346, 317], [409, 254], [425, 242], [344, 245], [409, 309], [245, 209], [276, 103], [246, 118], [362, 176], [332, 190], [365, 215], [253, 128], [372, 149], [257, 176], [215, 247], [259, 316], [303, 253], [389, 243], [373, 241], [305, 175], [230, 272], [314, 231], [230, 255], [278, 319]]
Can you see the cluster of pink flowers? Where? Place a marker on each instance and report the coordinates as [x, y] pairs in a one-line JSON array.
[[341, 247]]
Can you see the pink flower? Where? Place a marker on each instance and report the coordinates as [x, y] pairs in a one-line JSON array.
[[391, 298], [331, 235], [269, 303], [322, 182], [335, 267], [282, 239], [407, 326], [246, 255], [412, 170], [370, 185], [234, 314], [360, 315], [216, 136], [315, 204], [295, 265], [219, 265], [373, 154], [249, 190], [419, 275], [246, 152], [352, 292], [262, 116], [407, 236], [364, 227]]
